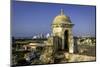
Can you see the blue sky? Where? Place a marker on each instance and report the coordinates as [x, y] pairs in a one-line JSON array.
[[30, 18]]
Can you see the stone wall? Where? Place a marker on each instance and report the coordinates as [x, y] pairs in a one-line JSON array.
[[48, 52]]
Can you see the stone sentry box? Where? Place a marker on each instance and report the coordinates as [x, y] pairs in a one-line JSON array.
[[62, 33]]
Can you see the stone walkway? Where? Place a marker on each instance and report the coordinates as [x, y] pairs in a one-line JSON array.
[[64, 57], [78, 58]]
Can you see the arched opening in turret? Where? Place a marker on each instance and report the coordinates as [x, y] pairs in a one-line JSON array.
[[66, 46]]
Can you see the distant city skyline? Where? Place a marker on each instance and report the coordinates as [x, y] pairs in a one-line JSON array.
[[31, 18]]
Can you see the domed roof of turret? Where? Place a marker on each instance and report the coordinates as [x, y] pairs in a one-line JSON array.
[[61, 18]]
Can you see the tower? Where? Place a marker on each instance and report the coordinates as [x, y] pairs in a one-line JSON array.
[[62, 32]]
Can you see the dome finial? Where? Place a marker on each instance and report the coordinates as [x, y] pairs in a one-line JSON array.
[[62, 12]]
